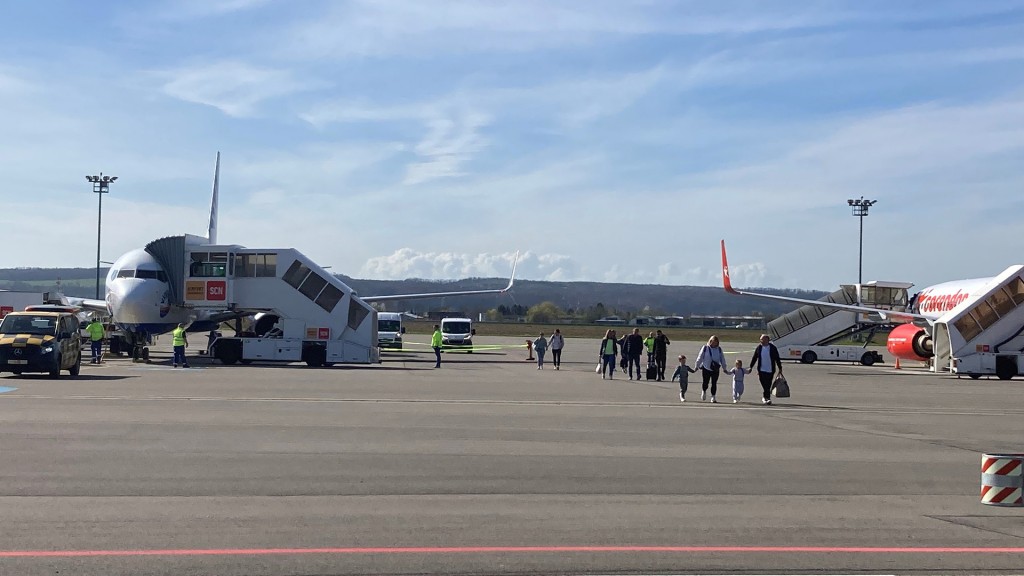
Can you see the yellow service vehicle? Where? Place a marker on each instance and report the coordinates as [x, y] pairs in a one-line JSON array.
[[40, 342]]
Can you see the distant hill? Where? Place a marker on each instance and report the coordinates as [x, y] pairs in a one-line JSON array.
[[630, 299]]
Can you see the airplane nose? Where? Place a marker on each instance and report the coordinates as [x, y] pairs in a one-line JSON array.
[[131, 303]]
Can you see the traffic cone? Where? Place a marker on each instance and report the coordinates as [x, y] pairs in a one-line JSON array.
[[897, 367]]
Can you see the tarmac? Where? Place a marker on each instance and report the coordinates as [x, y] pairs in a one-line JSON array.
[[490, 466]]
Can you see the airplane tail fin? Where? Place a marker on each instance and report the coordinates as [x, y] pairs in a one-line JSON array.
[[211, 235], [726, 282]]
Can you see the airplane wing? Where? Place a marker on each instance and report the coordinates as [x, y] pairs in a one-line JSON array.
[[884, 314], [86, 304], [511, 281]]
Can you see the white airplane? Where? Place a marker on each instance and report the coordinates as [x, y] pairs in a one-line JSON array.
[[911, 339], [138, 298]]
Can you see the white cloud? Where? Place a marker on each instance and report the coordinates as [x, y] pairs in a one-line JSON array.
[[448, 145], [379, 28], [233, 87], [410, 263], [12, 83], [178, 10]]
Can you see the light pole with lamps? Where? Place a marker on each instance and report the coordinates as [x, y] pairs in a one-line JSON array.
[[100, 186], [860, 209]]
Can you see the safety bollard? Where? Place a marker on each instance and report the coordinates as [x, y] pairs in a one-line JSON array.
[[529, 349], [1001, 479]]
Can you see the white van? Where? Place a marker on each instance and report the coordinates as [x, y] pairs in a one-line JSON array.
[[457, 332], [389, 330]]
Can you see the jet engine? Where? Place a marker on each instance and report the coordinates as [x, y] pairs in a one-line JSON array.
[[263, 322], [910, 342]]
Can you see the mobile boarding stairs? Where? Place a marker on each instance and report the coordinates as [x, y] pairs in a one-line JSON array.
[[984, 334], [809, 333], [315, 317]]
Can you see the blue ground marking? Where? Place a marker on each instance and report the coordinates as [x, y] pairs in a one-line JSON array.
[[6, 389]]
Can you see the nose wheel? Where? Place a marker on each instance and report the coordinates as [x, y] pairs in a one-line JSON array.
[[140, 352]]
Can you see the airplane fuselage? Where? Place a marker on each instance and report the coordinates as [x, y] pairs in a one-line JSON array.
[[138, 298], [934, 301]]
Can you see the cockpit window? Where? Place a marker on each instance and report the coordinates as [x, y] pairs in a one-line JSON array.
[[152, 274], [24, 324], [126, 273]]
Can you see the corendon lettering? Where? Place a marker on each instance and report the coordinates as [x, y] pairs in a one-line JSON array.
[[940, 302]]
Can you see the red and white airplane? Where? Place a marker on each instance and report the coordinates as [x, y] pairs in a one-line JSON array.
[[911, 339]]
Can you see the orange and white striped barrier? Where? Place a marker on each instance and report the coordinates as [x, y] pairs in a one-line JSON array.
[[1002, 479]]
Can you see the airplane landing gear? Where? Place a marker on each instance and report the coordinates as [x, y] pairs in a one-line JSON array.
[[140, 350]]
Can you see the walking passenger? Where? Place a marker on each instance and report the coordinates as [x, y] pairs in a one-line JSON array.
[[624, 360], [634, 348], [661, 343], [649, 343], [710, 360], [609, 349], [683, 372], [540, 346], [557, 343], [766, 358]]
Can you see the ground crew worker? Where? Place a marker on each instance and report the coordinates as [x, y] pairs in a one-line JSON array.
[[96, 333], [180, 341], [435, 343]]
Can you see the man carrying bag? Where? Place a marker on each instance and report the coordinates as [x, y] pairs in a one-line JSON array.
[[766, 358]]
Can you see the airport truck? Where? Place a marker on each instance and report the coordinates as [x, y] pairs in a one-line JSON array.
[[457, 333], [292, 340], [836, 353], [389, 330], [12, 301]]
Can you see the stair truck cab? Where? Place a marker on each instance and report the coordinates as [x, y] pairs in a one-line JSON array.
[[389, 330]]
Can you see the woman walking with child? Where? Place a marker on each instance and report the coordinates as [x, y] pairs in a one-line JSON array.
[[710, 360]]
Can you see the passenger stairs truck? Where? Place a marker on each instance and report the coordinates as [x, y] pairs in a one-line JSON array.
[[808, 334], [307, 314], [984, 334]]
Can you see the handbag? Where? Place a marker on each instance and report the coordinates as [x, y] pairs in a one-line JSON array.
[[599, 366], [715, 366], [780, 387]]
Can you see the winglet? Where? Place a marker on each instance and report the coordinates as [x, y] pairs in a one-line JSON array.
[[211, 235], [512, 277], [726, 282]]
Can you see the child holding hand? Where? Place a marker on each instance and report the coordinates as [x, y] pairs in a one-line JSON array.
[[683, 373], [738, 372]]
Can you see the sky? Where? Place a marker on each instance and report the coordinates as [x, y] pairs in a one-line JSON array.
[[605, 140]]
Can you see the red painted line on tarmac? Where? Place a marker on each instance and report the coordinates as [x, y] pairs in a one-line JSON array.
[[516, 550]]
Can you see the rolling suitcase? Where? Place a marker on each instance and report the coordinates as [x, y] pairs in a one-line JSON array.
[[652, 371]]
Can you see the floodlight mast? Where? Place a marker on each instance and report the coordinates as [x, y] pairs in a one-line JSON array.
[[860, 208], [100, 186]]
